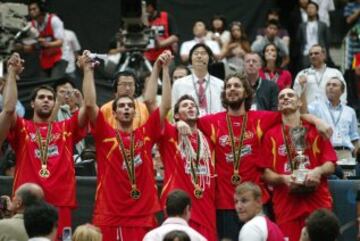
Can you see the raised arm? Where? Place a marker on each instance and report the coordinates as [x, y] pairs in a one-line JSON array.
[[152, 86], [10, 94], [89, 109], [166, 85]]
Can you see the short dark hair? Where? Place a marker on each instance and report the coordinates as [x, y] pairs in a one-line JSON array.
[[248, 89], [218, 17], [123, 73], [64, 80], [322, 225], [315, 4], [178, 102], [40, 219], [114, 104], [207, 49], [176, 202], [176, 235], [273, 22], [42, 87], [181, 66], [40, 3], [274, 11], [28, 197]]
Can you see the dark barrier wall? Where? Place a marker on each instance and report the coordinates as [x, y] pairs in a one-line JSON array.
[[344, 194]]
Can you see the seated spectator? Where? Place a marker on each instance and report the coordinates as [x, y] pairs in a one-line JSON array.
[[87, 232], [271, 67], [274, 14], [248, 205], [41, 221], [199, 31], [218, 31], [352, 78], [321, 225], [234, 51], [272, 29]]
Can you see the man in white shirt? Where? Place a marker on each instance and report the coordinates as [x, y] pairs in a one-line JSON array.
[[70, 49], [325, 6], [312, 81], [199, 31], [205, 88], [248, 205], [178, 205]]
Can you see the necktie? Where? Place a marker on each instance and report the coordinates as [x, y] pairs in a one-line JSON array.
[[202, 95]]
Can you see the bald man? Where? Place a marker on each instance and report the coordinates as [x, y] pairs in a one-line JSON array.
[[25, 196]]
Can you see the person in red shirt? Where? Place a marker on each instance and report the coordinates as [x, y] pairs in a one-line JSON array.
[[43, 148], [293, 199], [126, 197]]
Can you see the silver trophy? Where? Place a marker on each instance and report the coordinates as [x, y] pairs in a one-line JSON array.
[[301, 160]]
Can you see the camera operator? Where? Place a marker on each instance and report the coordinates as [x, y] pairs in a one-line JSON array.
[[50, 41], [166, 36]]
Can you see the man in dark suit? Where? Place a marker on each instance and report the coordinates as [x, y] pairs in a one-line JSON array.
[[312, 32], [265, 91]]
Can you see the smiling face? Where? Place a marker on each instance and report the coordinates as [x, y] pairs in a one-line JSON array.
[[124, 110], [289, 101], [246, 205], [43, 104]]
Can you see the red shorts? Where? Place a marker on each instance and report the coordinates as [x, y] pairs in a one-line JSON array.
[[123, 233], [292, 229], [64, 220], [208, 233]]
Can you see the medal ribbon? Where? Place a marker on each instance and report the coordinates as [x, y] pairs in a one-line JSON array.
[[44, 148], [197, 161], [236, 150], [130, 165]]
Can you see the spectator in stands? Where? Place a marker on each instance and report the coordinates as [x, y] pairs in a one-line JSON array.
[[178, 210], [43, 147], [127, 198], [234, 51], [352, 78], [341, 117], [51, 39], [274, 14], [124, 84], [352, 40], [179, 72], [20, 110], [311, 81], [272, 29], [199, 31], [271, 68], [321, 225], [248, 205], [312, 32], [13, 228], [218, 30], [41, 221], [265, 90], [297, 16], [166, 36], [70, 51], [87, 232], [205, 88], [294, 198], [324, 8]]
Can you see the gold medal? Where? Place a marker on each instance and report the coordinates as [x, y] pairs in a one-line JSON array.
[[235, 179], [198, 193], [135, 193], [44, 172]]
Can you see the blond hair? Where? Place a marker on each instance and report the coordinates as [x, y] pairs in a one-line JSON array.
[[249, 187], [87, 232]]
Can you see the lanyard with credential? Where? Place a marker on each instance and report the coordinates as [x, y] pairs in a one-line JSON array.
[[333, 118]]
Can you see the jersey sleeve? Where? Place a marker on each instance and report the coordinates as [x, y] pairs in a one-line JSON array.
[[72, 125], [153, 127]]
